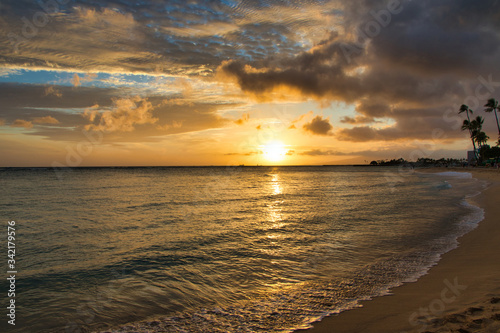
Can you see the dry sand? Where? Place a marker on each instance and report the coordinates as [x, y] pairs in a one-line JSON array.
[[460, 294]]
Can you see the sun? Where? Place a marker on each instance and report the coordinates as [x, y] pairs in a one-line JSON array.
[[274, 151]]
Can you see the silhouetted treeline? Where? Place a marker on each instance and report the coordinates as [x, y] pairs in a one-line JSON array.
[[421, 162]]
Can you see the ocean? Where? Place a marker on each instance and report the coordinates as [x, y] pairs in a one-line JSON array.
[[220, 249]]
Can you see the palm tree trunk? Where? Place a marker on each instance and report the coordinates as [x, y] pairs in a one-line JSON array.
[[475, 150], [472, 138], [497, 121]]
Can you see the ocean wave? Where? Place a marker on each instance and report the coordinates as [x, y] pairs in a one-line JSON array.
[[444, 186], [464, 175]]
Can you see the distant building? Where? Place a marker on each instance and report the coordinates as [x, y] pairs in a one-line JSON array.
[[470, 156]]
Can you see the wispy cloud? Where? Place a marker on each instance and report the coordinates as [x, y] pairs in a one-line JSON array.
[[4, 72], [46, 120], [176, 38]]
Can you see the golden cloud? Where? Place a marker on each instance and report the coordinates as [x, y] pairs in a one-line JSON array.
[[22, 123], [124, 115]]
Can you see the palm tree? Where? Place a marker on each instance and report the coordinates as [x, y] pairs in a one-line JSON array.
[[465, 108], [477, 129], [492, 106], [477, 123], [481, 139], [479, 136], [468, 125]]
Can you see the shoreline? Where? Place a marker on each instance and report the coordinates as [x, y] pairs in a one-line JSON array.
[[461, 293]]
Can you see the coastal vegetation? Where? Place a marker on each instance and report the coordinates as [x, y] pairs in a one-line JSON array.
[[421, 162], [483, 153]]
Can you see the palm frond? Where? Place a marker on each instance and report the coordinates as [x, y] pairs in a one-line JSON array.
[[463, 108], [491, 105]]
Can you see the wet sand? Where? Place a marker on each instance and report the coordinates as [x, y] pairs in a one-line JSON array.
[[459, 294]]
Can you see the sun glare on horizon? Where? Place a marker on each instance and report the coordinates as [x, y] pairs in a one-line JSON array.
[[274, 151]]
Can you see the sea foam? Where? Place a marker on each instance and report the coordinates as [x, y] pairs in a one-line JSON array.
[[465, 175]]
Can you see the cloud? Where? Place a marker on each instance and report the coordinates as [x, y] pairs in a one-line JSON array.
[[320, 152], [6, 72], [357, 120], [179, 115], [30, 101], [428, 32], [286, 38], [299, 119], [251, 153], [244, 119], [52, 91], [318, 126], [76, 80], [302, 117], [17, 97], [422, 124], [318, 73], [203, 30], [125, 114], [428, 58], [323, 75], [363, 134], [373, 108], [187, 38], [45, 120], [105, 18], [22, 123], [174, 125]]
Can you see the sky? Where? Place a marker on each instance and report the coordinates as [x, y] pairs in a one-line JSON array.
[[231, 82]]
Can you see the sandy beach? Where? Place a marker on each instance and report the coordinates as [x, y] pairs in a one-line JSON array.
[[459, 294]]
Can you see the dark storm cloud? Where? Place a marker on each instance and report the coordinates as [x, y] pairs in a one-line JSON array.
[[442, 36], [317, 74], [427, 55], [424, 124], [373, 108]]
